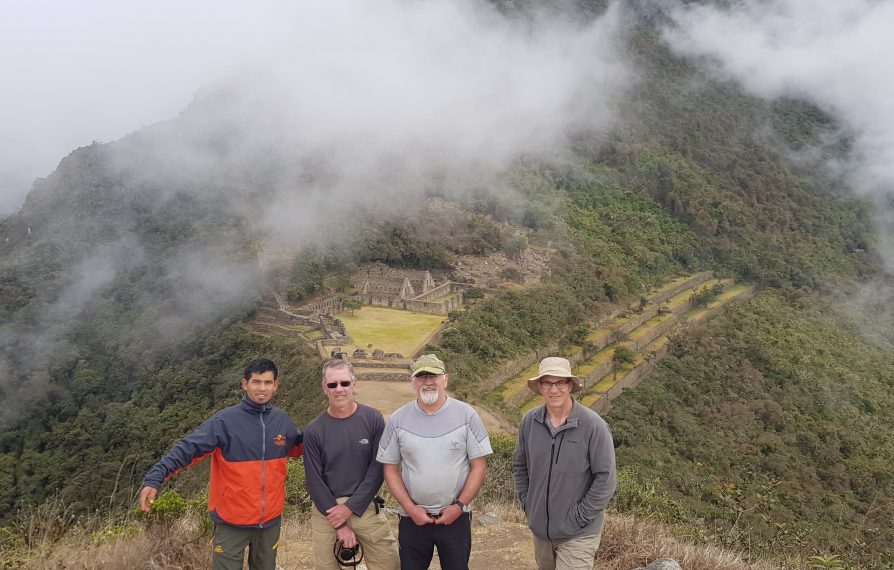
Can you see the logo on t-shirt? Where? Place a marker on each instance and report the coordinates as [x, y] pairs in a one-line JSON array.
[[454, 444], [363, 441], [280, 439]]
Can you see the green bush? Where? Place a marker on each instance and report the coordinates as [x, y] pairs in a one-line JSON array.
[[500, 485], [113, 532], [297, 496], [168, 507], [639, 496]]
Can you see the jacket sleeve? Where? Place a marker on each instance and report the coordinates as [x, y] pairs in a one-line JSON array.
[[186, 452], [602, 469], [520, 465], [297, 449], [374, 477]]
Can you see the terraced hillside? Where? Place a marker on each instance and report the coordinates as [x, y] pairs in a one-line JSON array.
[[644, 330], [270, 320]]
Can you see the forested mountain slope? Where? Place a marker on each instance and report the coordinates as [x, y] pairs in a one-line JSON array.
[[127, 275]]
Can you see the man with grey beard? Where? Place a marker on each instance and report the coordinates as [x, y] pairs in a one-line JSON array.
[[433, 451]]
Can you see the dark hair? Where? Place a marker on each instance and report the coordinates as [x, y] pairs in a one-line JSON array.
[[260, 366], [338, 363]]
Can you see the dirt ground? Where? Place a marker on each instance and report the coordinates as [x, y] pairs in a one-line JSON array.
[[389, 396], [502, 545]]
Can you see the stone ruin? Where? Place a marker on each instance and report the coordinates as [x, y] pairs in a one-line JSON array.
[[411, 290]]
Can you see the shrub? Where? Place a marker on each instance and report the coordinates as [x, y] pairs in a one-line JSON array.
[[297, 496], [474, 293], [500, 485]]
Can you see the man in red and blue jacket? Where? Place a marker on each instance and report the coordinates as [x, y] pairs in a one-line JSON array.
[[249, 444]]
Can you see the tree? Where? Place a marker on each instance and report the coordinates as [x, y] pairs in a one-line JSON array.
[[622, 355], [473, 293], [352, 305]]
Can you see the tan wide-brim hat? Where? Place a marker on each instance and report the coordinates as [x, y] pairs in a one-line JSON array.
[[555, 366]]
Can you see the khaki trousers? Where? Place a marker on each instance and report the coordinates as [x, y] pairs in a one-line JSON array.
[[572, 554], [373, 533]]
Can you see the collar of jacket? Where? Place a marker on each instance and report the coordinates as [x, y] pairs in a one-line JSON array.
[[571, 422], [250, 406]]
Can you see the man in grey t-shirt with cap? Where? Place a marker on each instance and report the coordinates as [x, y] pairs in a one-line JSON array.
[[564, 470], [433, 451]]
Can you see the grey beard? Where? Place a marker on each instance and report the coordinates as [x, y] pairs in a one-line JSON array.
[[428, 397]]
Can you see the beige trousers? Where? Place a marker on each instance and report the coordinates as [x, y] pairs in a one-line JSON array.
[[373, 533], [571, 554]]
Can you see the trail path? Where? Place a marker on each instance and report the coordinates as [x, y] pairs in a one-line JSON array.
[[503, 545], [389, 396]]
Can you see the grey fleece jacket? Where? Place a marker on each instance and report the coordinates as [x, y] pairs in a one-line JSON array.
[[564, 477]]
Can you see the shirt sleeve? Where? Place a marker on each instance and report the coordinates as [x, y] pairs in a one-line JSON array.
[[375, 476], [477, 439], [319, 492], [389, 450]]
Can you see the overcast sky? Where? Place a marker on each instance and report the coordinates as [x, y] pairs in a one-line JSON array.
[[401, 72], [75, 72]]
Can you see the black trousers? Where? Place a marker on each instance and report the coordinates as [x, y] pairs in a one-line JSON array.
[[417, 543]]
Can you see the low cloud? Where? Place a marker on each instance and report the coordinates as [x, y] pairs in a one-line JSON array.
[[450, 82], [279, 118], [832, 54]]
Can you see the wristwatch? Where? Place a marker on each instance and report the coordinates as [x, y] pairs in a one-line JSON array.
[[461, 504]]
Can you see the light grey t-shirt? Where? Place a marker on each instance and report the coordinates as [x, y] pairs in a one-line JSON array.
[[434, 450]]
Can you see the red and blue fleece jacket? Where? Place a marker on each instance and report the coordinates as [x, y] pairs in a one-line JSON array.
[[249, 445]]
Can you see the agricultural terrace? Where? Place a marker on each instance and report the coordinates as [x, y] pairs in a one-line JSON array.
[[389, 329]]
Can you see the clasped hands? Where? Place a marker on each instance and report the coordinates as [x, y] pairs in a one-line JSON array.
[[448, 515]]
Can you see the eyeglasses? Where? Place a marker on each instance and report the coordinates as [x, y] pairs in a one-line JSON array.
[[343, 384], [547, 386], [427, 376]]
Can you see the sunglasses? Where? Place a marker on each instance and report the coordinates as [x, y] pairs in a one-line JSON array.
[[343, 384]]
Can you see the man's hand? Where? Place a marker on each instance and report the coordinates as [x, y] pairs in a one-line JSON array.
[[347, 537], [338, 515], [449, 514], [419, 515], [147, 497]]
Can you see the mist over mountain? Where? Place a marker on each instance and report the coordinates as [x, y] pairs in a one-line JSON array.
[[356, 107], [831, 54], [639, 140]]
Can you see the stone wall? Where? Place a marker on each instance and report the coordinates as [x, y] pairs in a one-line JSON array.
[[662, 328], [443, 289], [597, 373], [330, 305], [630, 380], [693, 281], [635, 321], [384, 376], [434, 308], [274, 329], [396, 363], [515, 366], [380, 300]]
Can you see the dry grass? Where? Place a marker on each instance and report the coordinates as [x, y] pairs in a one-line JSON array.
[[627, 543], [630, 542], [178, 547]]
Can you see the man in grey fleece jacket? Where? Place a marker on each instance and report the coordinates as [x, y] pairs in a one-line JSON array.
[[564, 469]]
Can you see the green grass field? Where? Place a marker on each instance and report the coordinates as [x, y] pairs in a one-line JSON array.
[[389, 329]]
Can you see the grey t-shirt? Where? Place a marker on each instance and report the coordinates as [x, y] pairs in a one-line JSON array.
[[339, 459], [434, 450]]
